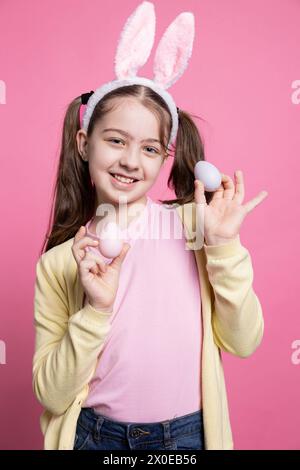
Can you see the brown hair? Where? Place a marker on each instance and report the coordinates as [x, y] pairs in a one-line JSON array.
[[74, 192]]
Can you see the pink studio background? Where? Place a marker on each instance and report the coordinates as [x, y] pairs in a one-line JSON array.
[[239, 79]]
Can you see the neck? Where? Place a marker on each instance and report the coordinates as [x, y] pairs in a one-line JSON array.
[[122, 214]]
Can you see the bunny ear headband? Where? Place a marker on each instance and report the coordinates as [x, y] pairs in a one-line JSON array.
[[135, 44]]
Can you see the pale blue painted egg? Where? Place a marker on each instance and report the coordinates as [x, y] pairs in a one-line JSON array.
[[208, 174]]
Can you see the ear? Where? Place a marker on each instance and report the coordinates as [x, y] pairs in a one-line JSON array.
[[81, 141], [174, 50], [136, 41]]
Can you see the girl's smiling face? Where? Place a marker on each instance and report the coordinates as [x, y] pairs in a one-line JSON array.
[[124, 142]]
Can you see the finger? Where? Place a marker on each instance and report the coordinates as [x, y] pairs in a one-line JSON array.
[[81, 246], [240, 187], [93, 261], [89, 266], [85, 241], [249, 206], [80, 233], [94, 256], [218, 194], [94, 270], [199, 192], [228, 187], [100, 268], [118, 260]]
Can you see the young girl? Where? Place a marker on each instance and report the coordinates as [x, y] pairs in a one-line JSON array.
[[127, 352]]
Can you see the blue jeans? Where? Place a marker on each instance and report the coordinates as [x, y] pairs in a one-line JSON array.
[[95, 431]]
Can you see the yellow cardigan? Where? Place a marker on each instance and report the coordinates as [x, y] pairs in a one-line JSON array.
[[69, 336]]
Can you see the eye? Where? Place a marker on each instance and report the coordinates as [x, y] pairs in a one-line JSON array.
[[153, 148], [114, 140]]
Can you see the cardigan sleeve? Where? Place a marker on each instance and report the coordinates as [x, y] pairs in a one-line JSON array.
[[237, 319], [66, 347]]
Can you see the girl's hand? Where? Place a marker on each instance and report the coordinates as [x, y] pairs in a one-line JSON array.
[[224, 214], [100, 281]]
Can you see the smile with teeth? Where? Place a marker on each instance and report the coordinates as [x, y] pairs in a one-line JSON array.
[[123, 179]]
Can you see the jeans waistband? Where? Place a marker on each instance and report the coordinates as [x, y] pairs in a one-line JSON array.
[[94, 422]]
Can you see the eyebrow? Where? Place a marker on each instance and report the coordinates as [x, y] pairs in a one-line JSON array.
[[128, 135]]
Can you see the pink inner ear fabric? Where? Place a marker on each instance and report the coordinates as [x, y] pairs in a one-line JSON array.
[[136, 41]]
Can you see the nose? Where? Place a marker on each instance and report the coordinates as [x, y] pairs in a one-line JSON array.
[[130, 158]]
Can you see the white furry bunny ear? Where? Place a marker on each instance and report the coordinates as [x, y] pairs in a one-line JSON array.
[[136, 41], [174, 50]]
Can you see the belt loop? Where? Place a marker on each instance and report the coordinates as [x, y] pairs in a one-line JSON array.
[[97, 430], [167, 434]]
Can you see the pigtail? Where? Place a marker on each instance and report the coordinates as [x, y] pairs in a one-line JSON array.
[[189, 150], [73, 201]]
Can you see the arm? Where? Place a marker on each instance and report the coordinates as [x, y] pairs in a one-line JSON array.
[[66, 348], [237, 319]]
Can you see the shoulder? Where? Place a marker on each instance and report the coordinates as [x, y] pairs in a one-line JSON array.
[[181, 209], [58, 260], [58, 252], [187, 214]]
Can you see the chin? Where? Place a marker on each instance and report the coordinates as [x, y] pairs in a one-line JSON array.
[[115, 197]]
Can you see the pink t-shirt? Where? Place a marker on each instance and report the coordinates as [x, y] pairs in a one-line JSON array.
[[150, 366]]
